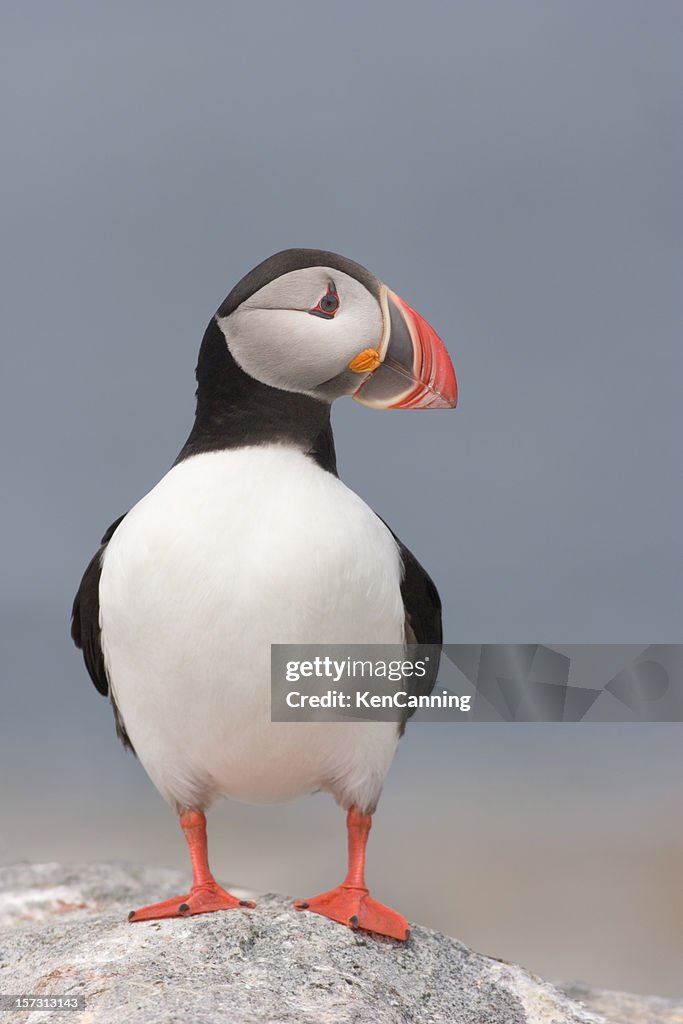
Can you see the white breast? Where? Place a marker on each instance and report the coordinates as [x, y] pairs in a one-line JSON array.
[[230, 552]]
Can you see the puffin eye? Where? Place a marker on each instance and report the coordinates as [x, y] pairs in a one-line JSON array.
[[328, 305]]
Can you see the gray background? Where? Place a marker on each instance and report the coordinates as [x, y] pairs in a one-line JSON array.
[[513, 171]]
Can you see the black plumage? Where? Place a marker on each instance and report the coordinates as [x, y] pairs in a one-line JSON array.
[[86, 633], [235, 410], [423, 627]]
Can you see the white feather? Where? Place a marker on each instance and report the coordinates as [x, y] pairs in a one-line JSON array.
[[275, 340], [230, 552]]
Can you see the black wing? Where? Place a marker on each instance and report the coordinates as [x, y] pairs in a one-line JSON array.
[[85, 628], [422, 623]]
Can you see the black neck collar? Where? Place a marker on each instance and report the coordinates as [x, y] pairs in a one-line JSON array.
[[234, 410]]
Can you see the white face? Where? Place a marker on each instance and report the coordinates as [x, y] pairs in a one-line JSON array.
[[275, 338]]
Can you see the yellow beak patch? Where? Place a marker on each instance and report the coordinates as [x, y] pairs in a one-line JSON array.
[[365, 361]]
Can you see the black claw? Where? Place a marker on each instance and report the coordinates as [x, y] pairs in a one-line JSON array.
[[407, 934], [131, 915], [353, 921], [183, 908], [246, 903], [302, 905]]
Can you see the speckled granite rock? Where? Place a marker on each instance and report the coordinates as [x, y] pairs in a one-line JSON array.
[[64, 931]]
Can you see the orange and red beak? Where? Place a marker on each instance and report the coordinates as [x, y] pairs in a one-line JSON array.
[[414, 370]]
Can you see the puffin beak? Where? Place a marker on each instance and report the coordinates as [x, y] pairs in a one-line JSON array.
[[411, 369]]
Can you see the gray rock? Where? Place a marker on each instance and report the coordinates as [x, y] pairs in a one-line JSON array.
[[64, 931], [624, 1008]]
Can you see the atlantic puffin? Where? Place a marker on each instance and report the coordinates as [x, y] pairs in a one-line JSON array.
[[252, 539]]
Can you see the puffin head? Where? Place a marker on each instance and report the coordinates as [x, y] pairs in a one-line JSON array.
[[318, 324]]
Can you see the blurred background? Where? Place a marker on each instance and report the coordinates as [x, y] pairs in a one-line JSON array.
[[513, 171]]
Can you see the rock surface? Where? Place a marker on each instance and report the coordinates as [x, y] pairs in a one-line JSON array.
[[65, 932], [625, 1008]]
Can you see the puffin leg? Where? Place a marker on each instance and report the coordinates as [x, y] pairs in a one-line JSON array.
[[206, 894], [350, 903]]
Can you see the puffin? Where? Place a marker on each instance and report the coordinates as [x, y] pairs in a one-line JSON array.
[[252, 539]]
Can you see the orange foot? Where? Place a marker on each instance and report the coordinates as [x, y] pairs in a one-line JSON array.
[[354, 907], [201, 899]]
